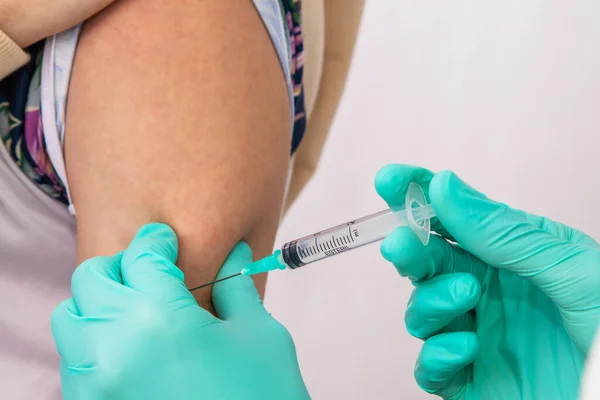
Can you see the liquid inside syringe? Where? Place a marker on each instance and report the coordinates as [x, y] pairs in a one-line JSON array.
[[351, 235]]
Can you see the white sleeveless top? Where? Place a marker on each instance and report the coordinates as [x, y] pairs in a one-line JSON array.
[[38, 234]]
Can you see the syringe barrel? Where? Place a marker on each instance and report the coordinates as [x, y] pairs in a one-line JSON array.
[[362, 231], [341, 238]]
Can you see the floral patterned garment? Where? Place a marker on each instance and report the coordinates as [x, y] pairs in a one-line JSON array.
[[21, 125], [293, 15], [21, 130]]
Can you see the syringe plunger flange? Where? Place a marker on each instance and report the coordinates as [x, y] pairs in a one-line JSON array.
[[416, 201]]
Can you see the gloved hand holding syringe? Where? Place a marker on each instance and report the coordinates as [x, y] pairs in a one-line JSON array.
[[372, 228]]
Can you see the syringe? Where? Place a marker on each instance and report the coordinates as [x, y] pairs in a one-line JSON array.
[[300, 252]]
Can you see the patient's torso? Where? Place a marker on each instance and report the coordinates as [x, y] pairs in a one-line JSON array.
[[37, 257]]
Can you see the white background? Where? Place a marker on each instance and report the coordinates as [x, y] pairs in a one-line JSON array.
[[506, 94]]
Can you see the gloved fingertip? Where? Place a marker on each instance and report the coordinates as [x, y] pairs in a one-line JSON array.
[[387, 248], [242, 250], [466, 288], [456, 349], [390, 183], [93, 270], [405, 251], [239, 257], [156, 229], [447, 188], [396, 244], [159, 232], [237, 296], [386, 175], [468, 346], [61, 312], [440, 184], [62, 322], [153, 238], [461, 209], [442, 359], [119, 256]]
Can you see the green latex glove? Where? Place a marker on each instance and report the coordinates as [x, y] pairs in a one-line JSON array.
[[133, 331], [510, 312]]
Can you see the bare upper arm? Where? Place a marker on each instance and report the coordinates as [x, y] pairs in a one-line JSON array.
[[178, 112]]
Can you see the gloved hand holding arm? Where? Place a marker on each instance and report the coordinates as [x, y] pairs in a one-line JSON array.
[[509, 312], [133, 331]]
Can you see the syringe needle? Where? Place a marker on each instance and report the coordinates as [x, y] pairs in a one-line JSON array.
[[213, 282]]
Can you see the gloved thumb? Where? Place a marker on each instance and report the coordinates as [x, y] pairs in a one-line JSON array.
[[148, 264], [505, 238], [236, 297]]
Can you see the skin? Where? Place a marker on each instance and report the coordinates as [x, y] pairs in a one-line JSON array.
[[178, 113], [27, 21]]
